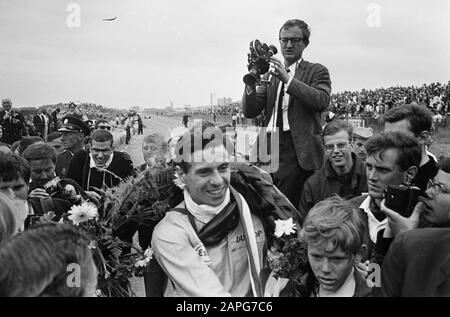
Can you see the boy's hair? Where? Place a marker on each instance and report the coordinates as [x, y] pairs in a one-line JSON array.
[[335, 222]]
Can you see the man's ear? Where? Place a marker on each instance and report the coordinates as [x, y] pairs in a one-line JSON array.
[[410, 174], [423, 137]]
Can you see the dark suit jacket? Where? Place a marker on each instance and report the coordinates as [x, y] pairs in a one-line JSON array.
[[120, 168], [39, 124], [309, 93], [12, 127], [417, 264]]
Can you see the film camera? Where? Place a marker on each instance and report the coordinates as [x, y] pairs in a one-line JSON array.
[[54, 186], [402, 199], [258, 61]]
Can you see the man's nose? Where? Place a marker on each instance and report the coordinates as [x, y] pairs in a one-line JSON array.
[[216, 178], [372, 174], [289, 43]]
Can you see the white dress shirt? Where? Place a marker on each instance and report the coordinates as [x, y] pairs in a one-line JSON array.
[[273, 119]]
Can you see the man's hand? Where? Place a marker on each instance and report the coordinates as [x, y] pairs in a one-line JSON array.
[[397, 223], [39, 193], [93, 194], [279, 70]]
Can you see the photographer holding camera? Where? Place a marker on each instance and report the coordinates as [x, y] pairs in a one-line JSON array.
[[293, 100], [418, 262]]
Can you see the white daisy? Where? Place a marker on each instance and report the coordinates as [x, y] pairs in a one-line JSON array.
[[177, 181], [284, 227], [85, 212]]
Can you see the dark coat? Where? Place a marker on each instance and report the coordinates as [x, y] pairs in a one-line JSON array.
[[120, 168], [12, 127], [325, 183], [309, 95], [417, 264], [39, 123]]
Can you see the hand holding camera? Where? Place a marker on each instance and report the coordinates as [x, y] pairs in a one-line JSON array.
[[398, 223], [258, 61], [279, 70]]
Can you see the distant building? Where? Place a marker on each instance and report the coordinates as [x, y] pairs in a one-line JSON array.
[[224, 101]]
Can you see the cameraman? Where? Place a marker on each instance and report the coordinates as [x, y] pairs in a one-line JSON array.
[[299, 91]]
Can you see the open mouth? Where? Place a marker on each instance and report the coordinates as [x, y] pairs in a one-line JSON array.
[[216, 192]]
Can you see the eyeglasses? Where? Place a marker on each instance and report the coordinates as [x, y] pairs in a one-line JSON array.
[[103, 127], [436, 188], [293, 40], [341, 146], [93, 150]]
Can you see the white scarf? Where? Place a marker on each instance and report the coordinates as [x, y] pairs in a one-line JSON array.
[[204, 213]]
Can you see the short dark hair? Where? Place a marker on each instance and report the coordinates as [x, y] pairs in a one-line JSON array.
[[26, 142], [205, 131], [408, 149], [41, 256], [53, 136], [40, 151], [419, 117], [301, 24], [102, 136], [335, 126], [13, 167]]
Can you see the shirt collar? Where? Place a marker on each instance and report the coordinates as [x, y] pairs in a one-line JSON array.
[[92, 162], [294, 66]]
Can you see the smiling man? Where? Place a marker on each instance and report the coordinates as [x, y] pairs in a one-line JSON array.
[[343, 174], [102, 167], [210, 244]]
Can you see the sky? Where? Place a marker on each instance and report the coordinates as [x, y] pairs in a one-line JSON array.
[[180, 51]]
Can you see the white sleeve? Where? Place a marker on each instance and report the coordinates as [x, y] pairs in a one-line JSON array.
[[186, 269]]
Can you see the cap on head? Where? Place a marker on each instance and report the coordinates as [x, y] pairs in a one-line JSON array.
[[362, 133], [73, 124]]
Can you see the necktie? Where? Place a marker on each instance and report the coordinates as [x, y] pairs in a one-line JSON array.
[[280, 108]]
